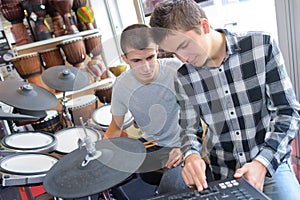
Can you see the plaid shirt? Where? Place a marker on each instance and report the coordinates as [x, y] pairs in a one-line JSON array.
[[248, 104]]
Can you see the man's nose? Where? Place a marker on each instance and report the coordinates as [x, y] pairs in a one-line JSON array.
[[146, 65]]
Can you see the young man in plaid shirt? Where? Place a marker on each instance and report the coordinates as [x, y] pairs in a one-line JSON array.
[[238, 85]]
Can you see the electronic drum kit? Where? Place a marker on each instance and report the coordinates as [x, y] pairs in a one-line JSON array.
[[82, 164]]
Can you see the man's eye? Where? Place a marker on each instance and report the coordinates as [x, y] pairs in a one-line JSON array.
[[185, 45], [150, 58]]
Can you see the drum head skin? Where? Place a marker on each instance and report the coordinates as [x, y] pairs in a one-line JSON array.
[[120, 157], [30, 142], [27, 164], [67, 139], [82, 101], [102, 116]]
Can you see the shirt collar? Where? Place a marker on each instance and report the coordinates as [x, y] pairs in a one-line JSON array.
[[232, 45]]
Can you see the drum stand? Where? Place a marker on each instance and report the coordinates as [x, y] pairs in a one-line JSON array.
[[105, 195], [65, 111], [92, 154]]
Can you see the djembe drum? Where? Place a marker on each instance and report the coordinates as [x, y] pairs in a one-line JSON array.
[[74, 51], [13, 12], [57, 20], [51, 57], [93, 47], [64, 8], [77, 4], [29, 67], [82, 106], [104, 92], [40, 29]]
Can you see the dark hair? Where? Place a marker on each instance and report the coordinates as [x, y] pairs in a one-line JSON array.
[[136, 36], [170, 15]]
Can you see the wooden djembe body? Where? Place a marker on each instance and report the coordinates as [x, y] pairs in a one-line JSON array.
[[58, 25], [64, 8], [76, 5], [38, 7], [13, 12]]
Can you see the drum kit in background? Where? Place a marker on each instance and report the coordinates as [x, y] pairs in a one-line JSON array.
[[73, 51], [62, 22], [52, 151]]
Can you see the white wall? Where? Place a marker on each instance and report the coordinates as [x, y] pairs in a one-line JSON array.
[[111, 17]]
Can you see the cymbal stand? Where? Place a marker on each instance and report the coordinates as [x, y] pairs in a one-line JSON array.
[[65, 111], [92, 154]]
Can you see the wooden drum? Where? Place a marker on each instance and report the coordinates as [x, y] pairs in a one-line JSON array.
[[82, 106], [104, 92], [52, 57], [29, 67], [51, 123], [13, 12], [93, 45], [64, 8], [74, 50]]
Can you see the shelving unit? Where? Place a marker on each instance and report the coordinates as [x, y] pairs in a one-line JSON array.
[[50, 43]]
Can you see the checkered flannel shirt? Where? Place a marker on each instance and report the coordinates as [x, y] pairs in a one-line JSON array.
[[248, 104]]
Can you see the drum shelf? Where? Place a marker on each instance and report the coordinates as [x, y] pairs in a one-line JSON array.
[[50, 43]]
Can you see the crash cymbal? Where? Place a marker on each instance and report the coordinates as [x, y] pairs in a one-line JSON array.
[[119, 158], [16, 117], [65, 78], [27, 96]]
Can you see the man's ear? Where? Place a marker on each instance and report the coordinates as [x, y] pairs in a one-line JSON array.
[[123, 56], [205, 25]]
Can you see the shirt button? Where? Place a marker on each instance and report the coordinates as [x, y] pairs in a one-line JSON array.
[[232, 113], [237, 133], [226, 91], [241, 154], [220, 70]]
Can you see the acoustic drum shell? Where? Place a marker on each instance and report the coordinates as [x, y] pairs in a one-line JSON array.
[[104, 92], [82, 106], [93, 45], [51, 123], [27, 65], [74, 50], [52, 57]]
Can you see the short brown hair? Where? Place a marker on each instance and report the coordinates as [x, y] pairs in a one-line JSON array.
[[136, 36], [175, 15]]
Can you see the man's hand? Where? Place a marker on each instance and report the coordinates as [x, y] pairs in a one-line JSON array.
[[254, 172], [97, 70], [193, 172], [175, 158]]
